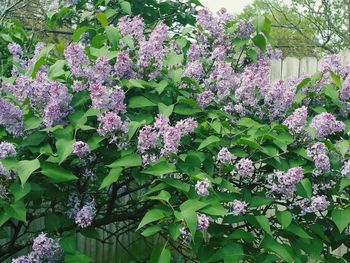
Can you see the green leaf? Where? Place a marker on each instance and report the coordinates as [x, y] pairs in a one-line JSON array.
[[345, 182], [190, 217], [331, 92], [56, 173], [32, 122], [56, 70], [26, 168], [160, 168], [232, 252], [342, 146], [150, 231], [112, 177], [64, 148], [209, 141], [304, 188], [182, 186], [102, 18], [264, 223], [132, 160], [297, 230], [77, 257], [163, 195], [68, 244], [260, 41], [336, 79], [174, 59], [77, 33], [284, 218], [126, 7], [152, 215], [140, 102], [20, 191], [17, 211], [94, 141], [262, 24], [271, 245], [341, 218], [165, 110], [113, 35]]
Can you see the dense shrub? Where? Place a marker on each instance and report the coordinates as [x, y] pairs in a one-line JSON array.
[[212, 157]]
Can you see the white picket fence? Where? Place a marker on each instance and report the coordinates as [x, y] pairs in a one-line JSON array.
[[114, 252]]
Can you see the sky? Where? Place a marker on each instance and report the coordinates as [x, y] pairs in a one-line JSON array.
[[232, 6]]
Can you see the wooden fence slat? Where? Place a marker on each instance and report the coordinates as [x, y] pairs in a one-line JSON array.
[[290, 67], [308, 65]]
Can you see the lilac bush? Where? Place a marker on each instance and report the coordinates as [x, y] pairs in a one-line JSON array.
[[176, 132]]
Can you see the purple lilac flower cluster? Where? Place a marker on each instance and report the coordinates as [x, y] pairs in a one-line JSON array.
[[326, 124], [202, 221], [245, 167], [7, 150], [168, 135], [245, 29], [202, 187], [237, 207], [297, 121], [345, 170], [45, 249], [284, 183], [152, 51], [317, 203], [81, 149], [224, 157], [113, 126], [82, 209], [11, 118], [85, 215], [318, 153]]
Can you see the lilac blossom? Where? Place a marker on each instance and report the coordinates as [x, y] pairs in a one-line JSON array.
[[7, 150], [297, 121], [209, 22], [132, 26], [245, 29], [225, 156], [123, 65], [202, 187], [47, 249], [171, 141], [245, 167], [194, 52], [186, 126], [321, 163], [152, 51], [222, 79], [345, 170], [81, 149], [238, 207], [193, 70], [111, 123], [325, 124], [332, 63], [85, 216], [11, 117], [317, 203], [316, 149], [78, 86], [205, 98], [100, 72], [15, 49], [284, 183], [147, 139], [76, 58], [345, 90], [202, 221]]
